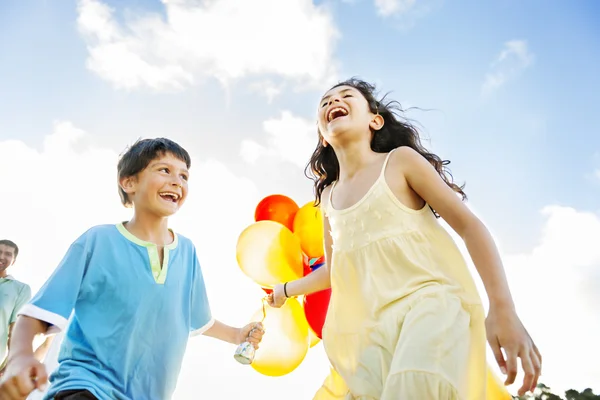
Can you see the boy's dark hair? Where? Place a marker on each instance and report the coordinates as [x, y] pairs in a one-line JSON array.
[[137, 157], [323, 167], [12, 244]]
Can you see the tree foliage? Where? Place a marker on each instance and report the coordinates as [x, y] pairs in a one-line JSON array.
[[543, 393]]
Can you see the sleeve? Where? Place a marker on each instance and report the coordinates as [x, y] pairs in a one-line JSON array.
[[333, 388], [55, 301], [201, 317], [22, 299]]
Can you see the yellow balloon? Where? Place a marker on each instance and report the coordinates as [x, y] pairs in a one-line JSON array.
[[285, 342], [269, 253], [308, 226], [313, 339], [496, 389]]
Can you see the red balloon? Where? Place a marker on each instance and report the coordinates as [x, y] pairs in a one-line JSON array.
[[278, 208], [315, 310]]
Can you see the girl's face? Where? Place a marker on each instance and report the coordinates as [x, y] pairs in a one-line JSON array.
[[343, 114]]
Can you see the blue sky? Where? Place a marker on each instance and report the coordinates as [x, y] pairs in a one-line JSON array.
[[528, 140], [532, 141]]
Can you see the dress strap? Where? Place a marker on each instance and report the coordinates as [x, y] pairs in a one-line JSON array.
[[329, 207], [385, 163]]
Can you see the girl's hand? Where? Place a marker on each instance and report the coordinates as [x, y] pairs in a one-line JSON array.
[[253, 333], [505, 331], [277, 297], [23, 374]]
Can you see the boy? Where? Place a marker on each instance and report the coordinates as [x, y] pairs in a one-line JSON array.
[[137, 292]]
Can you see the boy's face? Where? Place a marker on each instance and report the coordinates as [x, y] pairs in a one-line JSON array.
[[7, 257], [161, 188]]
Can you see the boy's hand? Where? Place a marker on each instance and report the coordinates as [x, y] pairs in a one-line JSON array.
[[277, 297], [505, 330], [253, 333], [23, 375]]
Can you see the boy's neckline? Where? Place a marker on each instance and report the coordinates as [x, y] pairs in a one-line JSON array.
[[140, 242]]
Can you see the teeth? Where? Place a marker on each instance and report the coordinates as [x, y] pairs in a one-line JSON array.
[[333, 110], [175, 196]]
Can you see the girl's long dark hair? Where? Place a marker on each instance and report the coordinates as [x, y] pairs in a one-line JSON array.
[[323, 168]]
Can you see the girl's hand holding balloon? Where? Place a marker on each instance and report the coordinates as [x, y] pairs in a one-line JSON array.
[[277, 298]]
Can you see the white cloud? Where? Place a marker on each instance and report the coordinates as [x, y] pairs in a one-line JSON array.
[[267, 88], [50, 196], [555, 291], [597, 174], [406, 13], [514, 58], [225, 39], [289, 138], [389, 7]]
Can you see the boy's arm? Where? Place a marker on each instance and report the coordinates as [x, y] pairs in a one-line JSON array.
[[253, 333], [21, 341], [202, 321], [224, 332], [23, 372]]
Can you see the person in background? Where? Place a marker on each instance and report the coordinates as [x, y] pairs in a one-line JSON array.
[[14, 295]]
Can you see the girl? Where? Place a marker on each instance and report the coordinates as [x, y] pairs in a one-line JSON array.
[[405, 320]]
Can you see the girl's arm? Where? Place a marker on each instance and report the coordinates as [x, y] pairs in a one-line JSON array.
[[313, 282], [504, 329], [426, 182]]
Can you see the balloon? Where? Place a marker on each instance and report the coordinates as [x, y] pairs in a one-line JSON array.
[[278, 208], [285, 342], [313, 338], [315, 310], [308, 226], [496, 389], [269, 253]]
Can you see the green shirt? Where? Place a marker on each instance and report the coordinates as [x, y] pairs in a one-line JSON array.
[[13, 295]]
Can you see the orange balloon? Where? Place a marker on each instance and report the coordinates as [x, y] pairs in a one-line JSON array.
[[269, 253], [308, 226], [278, 208], [286, 339]]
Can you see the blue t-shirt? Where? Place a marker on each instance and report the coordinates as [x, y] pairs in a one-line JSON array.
[[131, 319]]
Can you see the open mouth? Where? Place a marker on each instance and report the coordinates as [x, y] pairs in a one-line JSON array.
[[336, 112], [170, 196]]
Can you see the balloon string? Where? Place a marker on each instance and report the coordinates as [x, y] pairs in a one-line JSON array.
[[264, 308]]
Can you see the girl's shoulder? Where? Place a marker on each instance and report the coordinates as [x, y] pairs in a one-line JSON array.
[[404, 155]]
